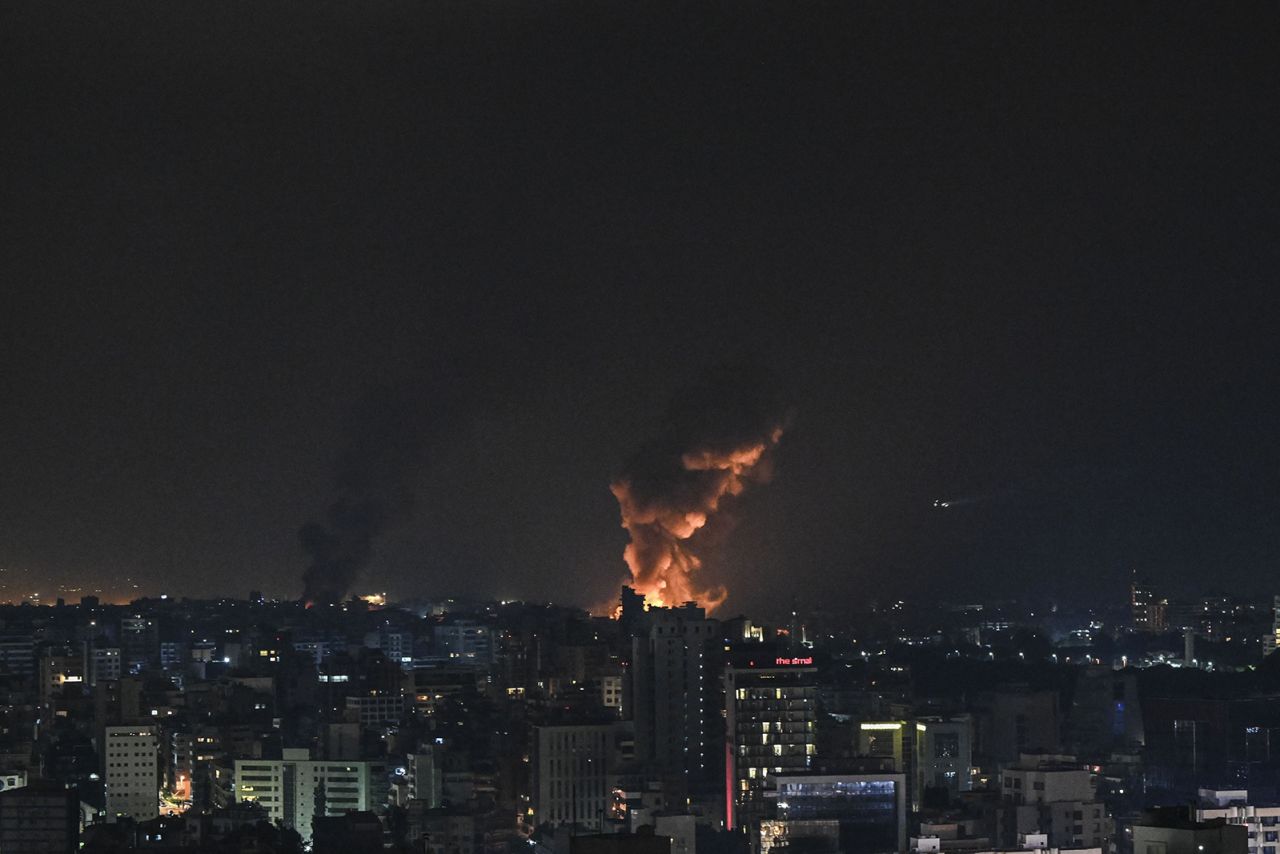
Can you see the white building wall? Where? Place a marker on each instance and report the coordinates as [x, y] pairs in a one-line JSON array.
[[348, 785], [131, 768], [1262, 823]]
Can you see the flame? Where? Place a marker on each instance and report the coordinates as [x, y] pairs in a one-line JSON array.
[[377, 600], [660, 556]]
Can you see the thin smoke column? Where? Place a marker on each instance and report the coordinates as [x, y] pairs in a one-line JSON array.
[[374, 483], [716, 441]]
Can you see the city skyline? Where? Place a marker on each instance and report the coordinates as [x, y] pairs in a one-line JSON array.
[[639, 427], [174, 724]]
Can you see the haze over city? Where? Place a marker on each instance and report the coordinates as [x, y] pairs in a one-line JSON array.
[[629, 427], [1020, 259]]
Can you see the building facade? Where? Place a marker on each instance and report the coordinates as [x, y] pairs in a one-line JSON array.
[[295, 788], [669, 691], [1172, 830], [849, 813], [43, 818], [131, 772], [1261, 821], [1053, 796], [576, 771], [770, 720]]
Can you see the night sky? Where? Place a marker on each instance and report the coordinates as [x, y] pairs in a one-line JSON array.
[[1020, 256]]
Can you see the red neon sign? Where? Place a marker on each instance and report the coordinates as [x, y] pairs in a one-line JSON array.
[[729, 781], [792, 662]]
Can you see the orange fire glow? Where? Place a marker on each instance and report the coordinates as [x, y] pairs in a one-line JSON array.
[[663, 525]]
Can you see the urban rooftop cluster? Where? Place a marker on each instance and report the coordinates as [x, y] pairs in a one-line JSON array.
[[456, 727]]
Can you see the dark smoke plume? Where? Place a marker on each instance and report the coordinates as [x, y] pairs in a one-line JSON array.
[[716, 441], [374, 479]]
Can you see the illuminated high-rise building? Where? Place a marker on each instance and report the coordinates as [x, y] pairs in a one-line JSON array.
[[770, 719], [1148, 609]]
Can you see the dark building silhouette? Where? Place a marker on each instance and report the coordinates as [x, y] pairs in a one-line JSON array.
[[40, 818]]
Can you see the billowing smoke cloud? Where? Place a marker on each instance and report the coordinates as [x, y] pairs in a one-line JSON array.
[[717, 440], [374, 480]]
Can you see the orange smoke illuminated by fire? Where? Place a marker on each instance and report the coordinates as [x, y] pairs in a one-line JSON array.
[[663, 522]]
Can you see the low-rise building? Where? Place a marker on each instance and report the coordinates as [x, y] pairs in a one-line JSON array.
[[855, 813], [292, 788], [1053, 795], [1260, 820], [1176, 830]]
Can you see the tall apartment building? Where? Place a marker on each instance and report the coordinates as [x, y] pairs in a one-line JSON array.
[[424, 772], [1148, 609], [293, 787], [945, 747], [139, 642], [193, 754], [671, 692], [179, 768], [576, 770], [173, 654], [105, 665], [131, 772], [770, 716]]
